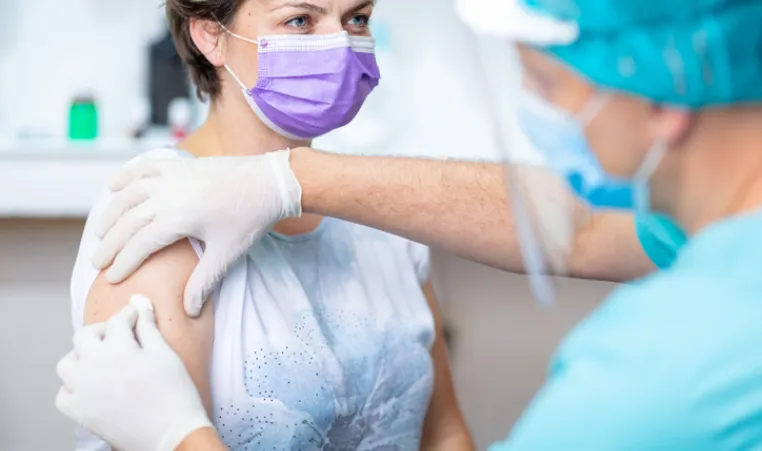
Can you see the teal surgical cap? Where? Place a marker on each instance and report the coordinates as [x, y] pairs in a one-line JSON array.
[[690, 53]]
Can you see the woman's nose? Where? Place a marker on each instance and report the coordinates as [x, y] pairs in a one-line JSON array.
[[329, 25]]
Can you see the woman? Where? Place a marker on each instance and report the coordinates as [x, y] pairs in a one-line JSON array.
[[323, 336]]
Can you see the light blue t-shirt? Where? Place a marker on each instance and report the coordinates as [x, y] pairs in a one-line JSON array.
[[660, 237], [322, 341], [672, 363]]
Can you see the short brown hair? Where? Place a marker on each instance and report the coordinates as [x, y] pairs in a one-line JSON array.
[[180, 13]]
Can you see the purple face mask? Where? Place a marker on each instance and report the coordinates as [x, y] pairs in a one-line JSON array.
[[309, 85]]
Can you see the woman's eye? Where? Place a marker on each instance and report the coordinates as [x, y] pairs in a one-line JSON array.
[[359, 21], [299, 22]]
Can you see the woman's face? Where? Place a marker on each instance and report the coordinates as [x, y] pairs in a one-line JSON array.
[[622, 131], [274, 17], [257, 18]]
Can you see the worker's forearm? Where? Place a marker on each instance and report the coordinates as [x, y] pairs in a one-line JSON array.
[[457, 206], [203, 440], [460, 207], [608, 248]]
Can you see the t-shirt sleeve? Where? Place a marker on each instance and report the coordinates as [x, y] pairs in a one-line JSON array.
[[84, 272], [82, 279], [660, 238], [421, 258]]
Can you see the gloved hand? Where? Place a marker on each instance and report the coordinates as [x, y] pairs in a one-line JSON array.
[[135, 395], [226, 202]]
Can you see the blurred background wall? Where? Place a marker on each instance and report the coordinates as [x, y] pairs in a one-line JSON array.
[[429, 104]]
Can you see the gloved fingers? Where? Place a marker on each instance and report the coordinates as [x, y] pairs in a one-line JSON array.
[[210, 270], [66, 369], [65, 404], [121, 203], [140, 169], [87, 339], [146, 329], [117, 237], [143, 244], [120, 328]]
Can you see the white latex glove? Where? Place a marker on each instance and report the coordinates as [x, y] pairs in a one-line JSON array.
[[226, 202], [134, 394]]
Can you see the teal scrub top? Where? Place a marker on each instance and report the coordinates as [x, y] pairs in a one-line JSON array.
[[660, 237], [672, 363]]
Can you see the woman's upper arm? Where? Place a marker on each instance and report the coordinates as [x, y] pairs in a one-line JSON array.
[[162, 279], [445, 428]]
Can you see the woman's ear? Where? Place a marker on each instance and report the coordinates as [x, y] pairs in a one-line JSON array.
[[671, 124], [206, 36]]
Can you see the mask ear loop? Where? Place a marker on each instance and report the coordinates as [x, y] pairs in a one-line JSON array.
[[651, 161], [644, 173], [238, 36], [242, 38], [592, 108], [235, 77]]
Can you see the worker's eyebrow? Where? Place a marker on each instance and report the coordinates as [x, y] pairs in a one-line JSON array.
[[302, 5]]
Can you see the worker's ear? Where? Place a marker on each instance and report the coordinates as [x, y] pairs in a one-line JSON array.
[[208, 39], [670, 124]]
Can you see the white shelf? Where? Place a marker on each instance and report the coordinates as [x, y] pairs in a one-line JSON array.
[[57, 181], [52, 180]]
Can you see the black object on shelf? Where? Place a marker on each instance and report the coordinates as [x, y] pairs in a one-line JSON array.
[[168, 78]]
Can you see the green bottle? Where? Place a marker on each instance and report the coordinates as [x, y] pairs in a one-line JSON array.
[[83, 119]]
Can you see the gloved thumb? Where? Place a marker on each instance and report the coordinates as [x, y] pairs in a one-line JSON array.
[[146, 330], [65, 404], [208, 273]]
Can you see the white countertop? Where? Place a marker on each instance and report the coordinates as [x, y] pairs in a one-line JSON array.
[[58, 181]]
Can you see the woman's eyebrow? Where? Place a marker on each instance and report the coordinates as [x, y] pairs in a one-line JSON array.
[[302, 5]]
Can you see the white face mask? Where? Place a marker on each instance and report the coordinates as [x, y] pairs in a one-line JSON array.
[[560, 136]]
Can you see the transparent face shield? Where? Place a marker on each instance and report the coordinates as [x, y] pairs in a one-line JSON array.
[[546, 214]]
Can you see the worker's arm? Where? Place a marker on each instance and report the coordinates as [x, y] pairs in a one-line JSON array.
[[230, 202], [444, 429], [457, 206]]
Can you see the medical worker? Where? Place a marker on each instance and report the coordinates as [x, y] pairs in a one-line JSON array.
[[659, 99]]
